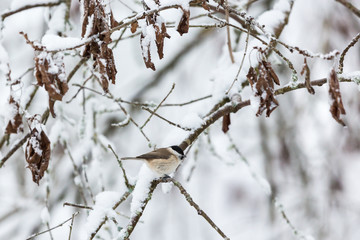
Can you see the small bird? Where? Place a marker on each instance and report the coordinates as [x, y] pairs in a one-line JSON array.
[[163, 161]]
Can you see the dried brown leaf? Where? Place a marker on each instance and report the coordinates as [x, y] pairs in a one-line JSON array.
[[271, 72], [15, 124], [99, 50], [53, 81], [146, 54], [265, 91], [226, 123], [337, 108], [306, 70], [37, 154], [134, 26], [251, 76], [183, 26]]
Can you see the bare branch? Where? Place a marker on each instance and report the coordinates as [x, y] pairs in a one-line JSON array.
[[30, 6], [157, 107], [77, 205], [39, 233], [350, 7], [128, 185], [166, 120], [197, 208], [342, 56]]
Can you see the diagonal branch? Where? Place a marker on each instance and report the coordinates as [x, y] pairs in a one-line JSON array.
[[350, 7], [30, 6]]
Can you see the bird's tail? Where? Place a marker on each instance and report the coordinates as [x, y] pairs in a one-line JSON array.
[[130, 158]]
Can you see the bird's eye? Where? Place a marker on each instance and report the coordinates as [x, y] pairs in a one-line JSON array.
[[182, 157]]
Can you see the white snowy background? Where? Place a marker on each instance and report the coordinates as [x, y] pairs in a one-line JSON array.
[[299, 156]]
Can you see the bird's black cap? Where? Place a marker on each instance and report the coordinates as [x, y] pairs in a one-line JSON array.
[[178, 149]]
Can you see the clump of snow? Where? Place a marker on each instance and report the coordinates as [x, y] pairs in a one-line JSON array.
[[141, 190], [54, 42], [140, 193], [191, 120], [183, 3], [166, 187], [103, 207]]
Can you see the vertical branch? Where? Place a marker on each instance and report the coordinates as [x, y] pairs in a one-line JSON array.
[[228, 31]]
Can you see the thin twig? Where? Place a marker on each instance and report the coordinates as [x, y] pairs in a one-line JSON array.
[[71, 225], [13, 149], [342, 56], [26, 7], [228, 32], [157, 107], [39, 233], [166, 120], [198, 209], [110, 96], [242, 60], [77, 205], [139, 104], [79, 90], [77, 173], [128, 185], [350, 7]]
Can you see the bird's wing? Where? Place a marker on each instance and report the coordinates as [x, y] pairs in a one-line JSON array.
[[158, 153]]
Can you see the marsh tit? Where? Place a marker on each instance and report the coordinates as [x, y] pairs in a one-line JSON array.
[[163, 161]]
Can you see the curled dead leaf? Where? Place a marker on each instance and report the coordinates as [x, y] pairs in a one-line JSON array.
[[183, 26], [50, 73], [262, 83], [337, 108], [37, 153], [101, 23], [306, 70], [15, 124]]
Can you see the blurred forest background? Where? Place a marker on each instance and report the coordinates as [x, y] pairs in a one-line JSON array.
[[80, 78]]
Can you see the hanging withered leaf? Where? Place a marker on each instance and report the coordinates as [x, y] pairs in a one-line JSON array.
[[306, 70], [155, 26], [252, 76], [160, 34], [15, 123], [13, 116], [98, 20], [134, 26], [37, 152], [226, 123], [183, 26], [270, 71], [262, 84], [145, 44], [50, 73], [337, 107]]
